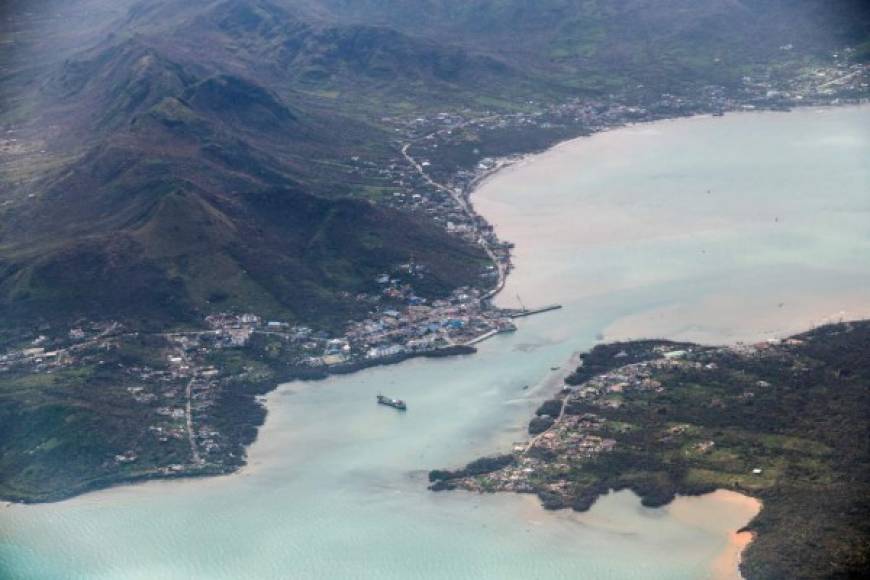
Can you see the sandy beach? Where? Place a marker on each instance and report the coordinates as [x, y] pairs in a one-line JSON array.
[[707, 512]]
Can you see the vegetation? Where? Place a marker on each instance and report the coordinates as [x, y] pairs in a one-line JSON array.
[[179, 152], [477, 467], [163, 160], [59, 432], [786, 423]]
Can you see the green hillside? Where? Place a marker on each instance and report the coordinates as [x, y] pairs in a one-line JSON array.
[[169, 168]]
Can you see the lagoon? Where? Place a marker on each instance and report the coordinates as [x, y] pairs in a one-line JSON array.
[[744, 227]]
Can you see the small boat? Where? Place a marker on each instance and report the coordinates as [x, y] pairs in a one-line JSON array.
[[394, 403]]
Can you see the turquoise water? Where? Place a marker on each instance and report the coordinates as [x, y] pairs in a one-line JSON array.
[[621, 230]]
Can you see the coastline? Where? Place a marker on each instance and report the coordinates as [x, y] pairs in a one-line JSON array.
[[742, 541], [321, 373], [509, 161], [281, 433], [727, 450], [726, 566]]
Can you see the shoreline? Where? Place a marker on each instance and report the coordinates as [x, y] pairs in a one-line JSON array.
[[321, 373], [724, 566], [583, 453], [515, 160], [509, 161], [743, 539], [738, 541], [727, 565]]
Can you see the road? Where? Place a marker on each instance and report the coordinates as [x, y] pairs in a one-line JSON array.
[[466, 208], [840, 80], [549, 384], [194, 451]]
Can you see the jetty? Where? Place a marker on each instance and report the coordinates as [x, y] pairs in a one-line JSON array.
[[480, 338], [529, 311]]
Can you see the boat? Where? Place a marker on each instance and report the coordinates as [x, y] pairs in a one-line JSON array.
[[394, 403]]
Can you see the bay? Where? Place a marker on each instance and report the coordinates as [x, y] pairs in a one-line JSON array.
[[744, 227]]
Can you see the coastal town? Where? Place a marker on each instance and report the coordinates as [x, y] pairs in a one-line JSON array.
[[662, 419], [189, 370], [566, 433], [294, 288], [429, 178], [192, 369], [584, 422]]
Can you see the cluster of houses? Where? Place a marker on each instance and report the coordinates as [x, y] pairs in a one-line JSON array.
[[36, 358], [544, 464], [841, 79], [402, 323], [415, 326], [419, 325], [45, 354], [574, 435]]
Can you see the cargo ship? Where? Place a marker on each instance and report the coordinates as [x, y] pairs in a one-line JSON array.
[[394, 403]]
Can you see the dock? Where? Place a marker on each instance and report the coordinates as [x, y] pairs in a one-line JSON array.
[[480, 338], [530, 311]]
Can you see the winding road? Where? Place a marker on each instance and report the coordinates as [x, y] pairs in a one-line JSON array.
[[463, 204], [194, 451]]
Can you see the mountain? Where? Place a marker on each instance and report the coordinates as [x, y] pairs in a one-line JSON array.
[[173, 166], [175, 133], [660, 42], [166, 122], [310, 50], [195, 193]]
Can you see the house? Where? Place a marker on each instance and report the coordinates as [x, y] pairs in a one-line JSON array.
[[385, 351], [239, 336], [337, 346], [333, 359]]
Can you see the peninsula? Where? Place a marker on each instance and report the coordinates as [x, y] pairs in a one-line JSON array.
[[784, 421]]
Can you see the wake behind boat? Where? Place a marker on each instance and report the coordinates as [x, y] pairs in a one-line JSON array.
[[395, 403]]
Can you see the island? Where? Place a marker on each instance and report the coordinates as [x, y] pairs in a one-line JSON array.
[[784, 421]]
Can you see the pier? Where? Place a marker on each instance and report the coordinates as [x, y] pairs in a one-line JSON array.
[[529, 311], [480, 338]]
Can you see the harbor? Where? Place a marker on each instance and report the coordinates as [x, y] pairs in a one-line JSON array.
[[531, 311], [332, 472]]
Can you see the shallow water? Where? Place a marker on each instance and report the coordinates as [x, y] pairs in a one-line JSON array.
[[621, 230], [709, 229]]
